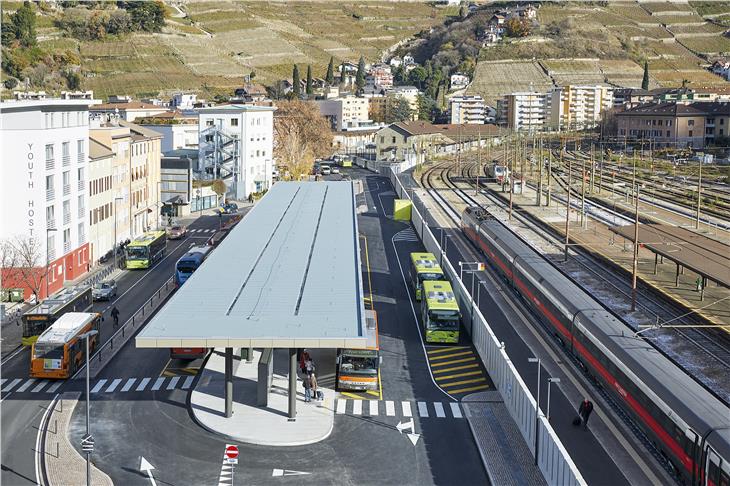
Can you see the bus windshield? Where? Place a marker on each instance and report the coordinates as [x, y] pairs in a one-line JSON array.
[[443, 320], [186, 267], [359, 364], [430, 276], [137, 253], [48, 351]]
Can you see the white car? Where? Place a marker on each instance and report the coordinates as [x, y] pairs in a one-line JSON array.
[[335, 169], [325, 170]]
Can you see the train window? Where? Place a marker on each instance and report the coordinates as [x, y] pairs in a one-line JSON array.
[[724, 479], [712, 472]]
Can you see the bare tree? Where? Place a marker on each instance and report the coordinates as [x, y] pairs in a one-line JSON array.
[[8, 262], [301, 134], [30, 268]]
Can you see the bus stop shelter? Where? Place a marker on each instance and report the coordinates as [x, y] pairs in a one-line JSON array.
[[287, 276]]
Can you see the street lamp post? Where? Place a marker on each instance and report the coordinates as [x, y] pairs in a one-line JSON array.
[[48, 263], [550, 382], [115, 229], [88, 442], [537, 403]]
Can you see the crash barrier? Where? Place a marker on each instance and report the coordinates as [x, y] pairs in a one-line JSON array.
[[553, 459]]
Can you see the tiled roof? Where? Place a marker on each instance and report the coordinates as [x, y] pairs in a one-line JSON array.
[[698, 108], [98, 150]]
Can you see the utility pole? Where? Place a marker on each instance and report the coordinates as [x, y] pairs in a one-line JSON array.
[[583, 194], [540, 162], [567, 207], [511, 182], [636, 251], [699, 196], [549, 174], [479, 161]]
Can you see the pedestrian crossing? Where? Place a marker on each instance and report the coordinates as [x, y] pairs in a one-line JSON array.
[[406, 235], [457, 370], [100, 386], [201, 231], [400, 409]]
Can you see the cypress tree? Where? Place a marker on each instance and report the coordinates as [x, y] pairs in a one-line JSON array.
[[309, 80], [330, 78], [295, 81], [360, 77], [645, 80]]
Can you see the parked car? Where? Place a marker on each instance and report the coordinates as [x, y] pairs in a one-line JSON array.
[[335, 169], [176, 232], [325, 170], [105, 290]]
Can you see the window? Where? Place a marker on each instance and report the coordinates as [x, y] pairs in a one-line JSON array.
[[66, 209], [66, 178], [50, 215], [668, 133], [690, 123], [722, 121], [258, 153], [80, 172], [65, 149], [234, 122], [263, 153], [81, 202], [393, 141], [722, 132], [660, 122], [49, 183], [49, 152], [66, 236], [690, 133], [80, 146], [382, 139], [669, 123]]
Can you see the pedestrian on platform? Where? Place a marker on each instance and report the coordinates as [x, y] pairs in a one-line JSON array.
[[307, 388], [312, 376], [303, 358], [585, 410]]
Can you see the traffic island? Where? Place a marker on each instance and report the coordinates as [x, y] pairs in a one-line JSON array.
[[267, 425]]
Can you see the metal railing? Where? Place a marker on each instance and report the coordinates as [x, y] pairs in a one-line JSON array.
[[82, 158], [66, 160], [66, 246], [82, 212], [82, 185], [51, 223], [50, 164], [50, 194], [82, 238], [67, 218], [67, 189]]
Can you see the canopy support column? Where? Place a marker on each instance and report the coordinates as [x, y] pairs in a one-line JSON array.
[[656, 261], [229, 382], [676, 277], [292, 384]]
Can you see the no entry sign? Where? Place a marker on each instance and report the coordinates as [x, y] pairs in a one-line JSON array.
[[232, 452]]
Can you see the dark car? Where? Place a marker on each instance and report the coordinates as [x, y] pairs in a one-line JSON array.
[[105, 290], [232, 207]]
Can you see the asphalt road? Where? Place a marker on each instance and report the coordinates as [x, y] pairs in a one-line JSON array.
[[21, 412], [361, 450]]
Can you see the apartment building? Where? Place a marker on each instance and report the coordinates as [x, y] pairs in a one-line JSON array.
[[578, 107], [101, 198], [467, 109], [178, 130], [380, 77], [345, 113], [235, 143], [524, 111], [43, 191]]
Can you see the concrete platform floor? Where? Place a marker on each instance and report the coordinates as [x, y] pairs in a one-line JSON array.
[[269, 426]]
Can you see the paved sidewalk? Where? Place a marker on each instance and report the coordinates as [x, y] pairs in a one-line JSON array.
[[262, 426], [63, 464], [505, 454]]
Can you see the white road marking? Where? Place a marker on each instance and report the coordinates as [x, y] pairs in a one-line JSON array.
[[113, 386], [158, 384], [389, 408], [439, 409], [98, 386], [188, 382], [422, 409], [455, 410], [173, 382], [26, 385], [373, 408], [55, 386], [3, 380], [12, 384], [142, 384], [128, 384], [39, 387], [341, 404], [406, 409], [357, 407]]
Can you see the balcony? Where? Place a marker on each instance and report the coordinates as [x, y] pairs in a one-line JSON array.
[[50, 164], [82, 185], [51, 223], [82, 158], [82, 239], [66, 160], [50, 194], [51, 254], [82, 212], [66, 247], [67, 189], [67, 218]]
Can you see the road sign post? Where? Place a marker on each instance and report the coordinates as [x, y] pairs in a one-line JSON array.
[[231, 454]]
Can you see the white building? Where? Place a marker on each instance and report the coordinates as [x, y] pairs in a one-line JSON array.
[[128, 111], [101, 198], [467, 109], [578, 107], [459, 81], [43, 184], [178, 130], [238, 141], [346, 112], [527, 110], [183, 101]]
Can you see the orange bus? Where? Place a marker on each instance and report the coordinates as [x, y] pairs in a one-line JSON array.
[[59, 351]]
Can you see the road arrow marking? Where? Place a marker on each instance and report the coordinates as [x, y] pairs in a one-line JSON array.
[[414, 438], [277, 473], [405, 426], [145, 466]]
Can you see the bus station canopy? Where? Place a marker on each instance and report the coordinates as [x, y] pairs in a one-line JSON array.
[[705, 256], [287, 276]]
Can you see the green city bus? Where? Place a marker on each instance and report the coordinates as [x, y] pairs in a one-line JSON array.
[[424, 266], [144, 250], [440, 312]]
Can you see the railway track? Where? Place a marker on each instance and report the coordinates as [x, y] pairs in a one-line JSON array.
[[713, 344]]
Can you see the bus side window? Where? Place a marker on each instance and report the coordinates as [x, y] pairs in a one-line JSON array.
[[724, 479]]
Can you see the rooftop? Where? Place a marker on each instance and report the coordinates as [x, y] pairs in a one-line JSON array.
[[234, 107], [132, 105], [697, 108], [288, 275], [453, 131], [66, 327]]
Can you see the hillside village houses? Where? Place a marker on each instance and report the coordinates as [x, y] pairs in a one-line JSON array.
[[458, 81]]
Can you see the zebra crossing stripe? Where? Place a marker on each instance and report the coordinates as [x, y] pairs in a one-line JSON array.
[[128, 384], [406, 406], [11, 385], [143, 384], [158, 384], [373, 408], [389, 408], [2, 381], [173, 382], [113, 386], [357, 407], [455, 410], [26, 385], [188, 382], [341, 404], [55, 387], [40, 385], [98, 386], [439, 410], [422, 409]]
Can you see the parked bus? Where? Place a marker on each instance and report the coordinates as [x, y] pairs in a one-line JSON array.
[[184, 268], [190, 262], [144, 250], [37, 319], [424, 266], [60, 350], [440, 313], [359, 369]]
